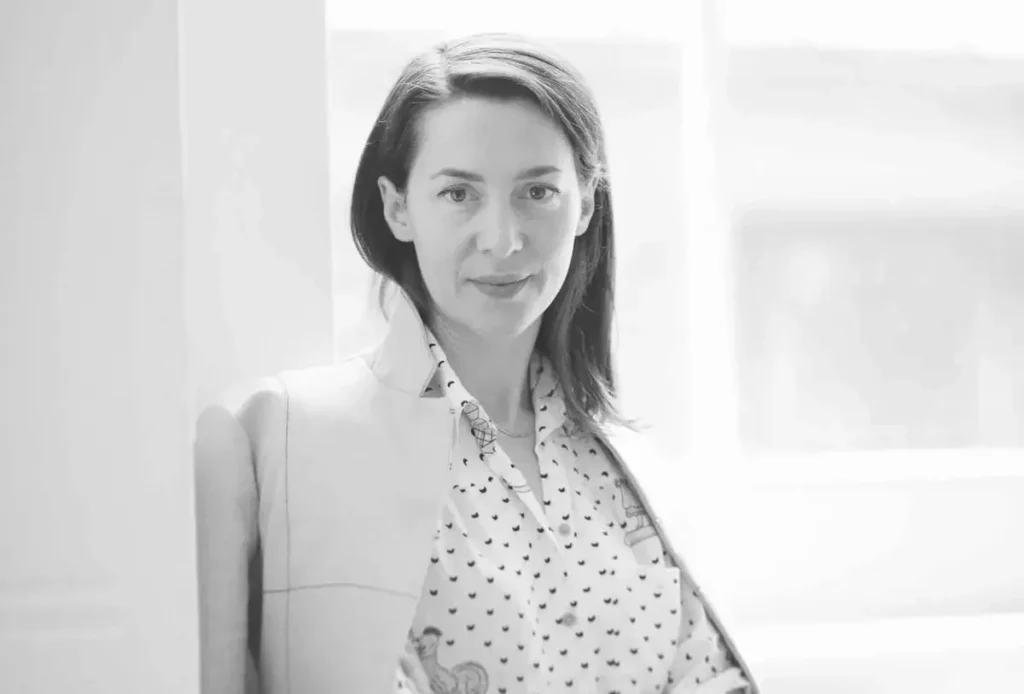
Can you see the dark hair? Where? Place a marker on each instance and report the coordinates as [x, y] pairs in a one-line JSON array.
[[576, 330]]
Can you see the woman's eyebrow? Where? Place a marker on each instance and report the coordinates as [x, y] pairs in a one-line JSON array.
[[536, 171], [532, 172], [458, 173]]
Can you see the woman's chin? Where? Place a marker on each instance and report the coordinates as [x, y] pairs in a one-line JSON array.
[[504, 323]]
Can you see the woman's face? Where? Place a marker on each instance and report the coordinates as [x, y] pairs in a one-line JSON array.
[[493, 207]]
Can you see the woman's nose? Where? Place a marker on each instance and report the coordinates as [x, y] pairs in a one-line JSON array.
[[500, 234]]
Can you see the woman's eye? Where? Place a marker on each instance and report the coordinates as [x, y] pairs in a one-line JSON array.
[[455, 195], [541, 193]]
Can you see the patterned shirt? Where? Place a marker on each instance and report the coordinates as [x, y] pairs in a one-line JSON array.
[[574, 594]]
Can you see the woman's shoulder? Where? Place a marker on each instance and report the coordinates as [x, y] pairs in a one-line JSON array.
[[261, 404]]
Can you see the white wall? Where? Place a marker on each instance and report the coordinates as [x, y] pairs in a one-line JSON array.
[[163, 234], [96, 590], [257, 235]]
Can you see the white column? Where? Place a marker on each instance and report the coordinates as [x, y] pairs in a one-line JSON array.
[[163, 233]]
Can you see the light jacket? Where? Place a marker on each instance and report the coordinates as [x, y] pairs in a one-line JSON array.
[[317, 498]]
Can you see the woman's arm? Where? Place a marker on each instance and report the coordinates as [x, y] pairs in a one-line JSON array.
[[227, 538]]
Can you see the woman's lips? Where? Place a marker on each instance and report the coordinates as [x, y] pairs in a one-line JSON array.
[[501, 279], [504, 289]]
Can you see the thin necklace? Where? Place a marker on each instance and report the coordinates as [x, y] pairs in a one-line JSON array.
[[529, 430]]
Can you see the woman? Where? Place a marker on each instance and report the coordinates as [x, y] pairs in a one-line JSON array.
[[468, 487]]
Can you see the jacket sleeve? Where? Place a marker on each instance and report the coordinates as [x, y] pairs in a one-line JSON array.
[[227, 529]]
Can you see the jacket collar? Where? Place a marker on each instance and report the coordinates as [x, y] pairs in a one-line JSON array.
[[403, 360]]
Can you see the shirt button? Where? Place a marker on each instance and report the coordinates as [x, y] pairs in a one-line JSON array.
[[569, 619], [564, 530]]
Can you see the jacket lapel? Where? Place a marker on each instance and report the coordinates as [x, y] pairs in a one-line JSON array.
[[660, 494]]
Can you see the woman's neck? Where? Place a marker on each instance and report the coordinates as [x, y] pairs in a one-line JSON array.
[[494, 371]]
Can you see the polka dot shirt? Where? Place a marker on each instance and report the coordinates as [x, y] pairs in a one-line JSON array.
[[575, 593]]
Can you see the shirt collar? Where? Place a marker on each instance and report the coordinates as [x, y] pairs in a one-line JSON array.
[[546, 392], [411, 360], [403, 360]]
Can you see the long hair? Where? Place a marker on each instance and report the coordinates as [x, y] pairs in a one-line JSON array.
[[576, 330]]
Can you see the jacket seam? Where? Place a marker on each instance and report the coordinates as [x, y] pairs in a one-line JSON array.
[[340, 584]]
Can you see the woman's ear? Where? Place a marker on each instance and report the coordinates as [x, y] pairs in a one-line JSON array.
[[586, 210], [396, 213]]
